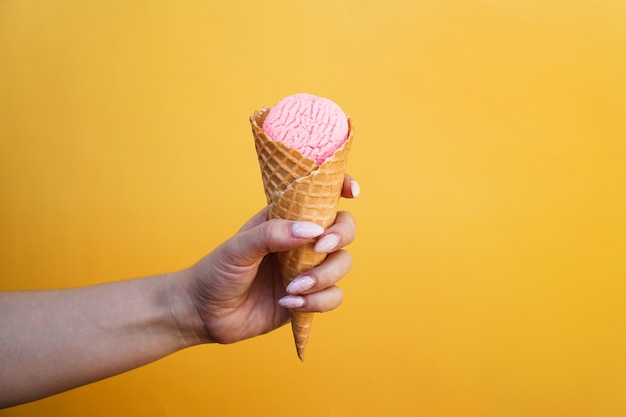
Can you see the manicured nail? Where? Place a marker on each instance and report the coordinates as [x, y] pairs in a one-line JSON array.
[[291, 301], [306, 230], [300, 284], [327, 243], [354, 187]]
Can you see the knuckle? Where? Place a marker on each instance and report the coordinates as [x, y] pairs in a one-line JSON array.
[[327, 300], [271, 235]]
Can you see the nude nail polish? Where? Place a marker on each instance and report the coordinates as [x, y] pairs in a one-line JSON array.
[[354, 187], [291, 301], [327, 243], [300, 284], [306, 230]]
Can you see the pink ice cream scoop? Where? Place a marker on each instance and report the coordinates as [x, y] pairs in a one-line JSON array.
[[314, 126]]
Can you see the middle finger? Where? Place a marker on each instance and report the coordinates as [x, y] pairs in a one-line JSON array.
[[325, 275]]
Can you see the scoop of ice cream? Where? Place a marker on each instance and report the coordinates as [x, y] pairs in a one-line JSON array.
[[314, 126]]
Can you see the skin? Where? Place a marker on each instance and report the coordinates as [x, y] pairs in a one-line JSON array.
[[55, 340]]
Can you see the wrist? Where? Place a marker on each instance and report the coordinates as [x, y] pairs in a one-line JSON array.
[[184, 314]]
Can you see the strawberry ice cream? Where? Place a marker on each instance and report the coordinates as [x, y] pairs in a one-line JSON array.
[[314, 126]]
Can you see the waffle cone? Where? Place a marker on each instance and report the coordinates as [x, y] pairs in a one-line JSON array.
[[298, 188]]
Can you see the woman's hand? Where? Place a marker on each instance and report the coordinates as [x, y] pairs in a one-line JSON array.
[[237, 289]]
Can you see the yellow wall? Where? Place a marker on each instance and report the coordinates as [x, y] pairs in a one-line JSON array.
[[491, 150]]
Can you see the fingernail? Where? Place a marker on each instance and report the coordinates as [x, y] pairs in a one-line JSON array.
[[354, 187], [291, 301], [306, 230], [300, 284], [327, 243]]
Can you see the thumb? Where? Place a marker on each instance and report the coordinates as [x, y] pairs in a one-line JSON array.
[[271, 236]]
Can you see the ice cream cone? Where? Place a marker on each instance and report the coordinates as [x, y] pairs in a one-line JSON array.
[[298, 188]]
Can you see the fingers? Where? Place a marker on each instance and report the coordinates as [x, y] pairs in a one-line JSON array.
[[260, 236], [316, 290], [350, 187], [319, 302], [257, 240], [340, 234], [335, 267]]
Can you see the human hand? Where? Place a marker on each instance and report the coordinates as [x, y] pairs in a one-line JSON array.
[[237, 289]]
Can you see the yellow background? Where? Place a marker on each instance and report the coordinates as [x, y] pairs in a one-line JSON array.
[[489, 267]]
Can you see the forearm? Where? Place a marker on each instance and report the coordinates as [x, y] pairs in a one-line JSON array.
[[51, 341]]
